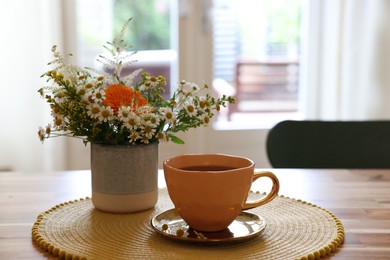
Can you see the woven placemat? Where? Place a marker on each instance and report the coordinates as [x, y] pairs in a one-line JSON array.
[[76, 230]]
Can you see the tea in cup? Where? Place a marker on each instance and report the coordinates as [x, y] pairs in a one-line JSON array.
[[210, 190]]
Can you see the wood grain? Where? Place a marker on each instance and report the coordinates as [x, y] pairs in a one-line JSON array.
[[359, 198]]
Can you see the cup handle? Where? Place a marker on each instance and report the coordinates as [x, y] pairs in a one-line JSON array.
[[270, 196]]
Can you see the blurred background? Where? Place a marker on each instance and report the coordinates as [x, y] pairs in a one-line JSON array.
[[281, 59]]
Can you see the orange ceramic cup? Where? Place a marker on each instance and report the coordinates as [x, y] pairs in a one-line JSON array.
[[210, 190]]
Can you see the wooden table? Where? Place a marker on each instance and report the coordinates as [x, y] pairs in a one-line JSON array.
[[359, 198]]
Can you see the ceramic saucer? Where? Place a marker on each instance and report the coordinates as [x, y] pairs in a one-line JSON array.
[[244, 227]]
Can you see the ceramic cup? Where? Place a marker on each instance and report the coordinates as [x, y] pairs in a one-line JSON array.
[[210, 190]]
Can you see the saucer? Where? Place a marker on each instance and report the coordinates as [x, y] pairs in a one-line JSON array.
[[244, 227]]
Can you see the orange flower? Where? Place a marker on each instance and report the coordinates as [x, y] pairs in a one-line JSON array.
[[120, 95]]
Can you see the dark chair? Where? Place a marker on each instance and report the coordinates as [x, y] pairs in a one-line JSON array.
[[329, 144]]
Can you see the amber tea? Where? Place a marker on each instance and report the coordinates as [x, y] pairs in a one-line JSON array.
[[215, 168]]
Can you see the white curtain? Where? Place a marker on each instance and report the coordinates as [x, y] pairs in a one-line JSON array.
[[27, 30], [346, 60]]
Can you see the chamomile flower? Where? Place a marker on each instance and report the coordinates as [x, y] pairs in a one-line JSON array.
[[48, 130], [180, 231], [60, 96], [145, 140], [147, 84], [55, 111], [203, 103], [153, 120], [98, 95], [106, 114], [89, 85], [93, 110], [59, 121], [151, 82], [82, 91], [167, 114], [190, 108], [148, 130], [164, 225], [205, 119], [163, 136], [124, 113], [58, 118], [41, 134], [134, 137], [133, 121], [188, 87], [146, 110]]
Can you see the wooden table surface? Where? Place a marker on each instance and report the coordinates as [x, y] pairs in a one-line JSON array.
[[359, 198]]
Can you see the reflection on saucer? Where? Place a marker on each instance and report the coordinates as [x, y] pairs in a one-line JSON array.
[[224, 234], [244, 227]]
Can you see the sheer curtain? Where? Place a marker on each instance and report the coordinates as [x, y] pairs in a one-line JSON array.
[[346, 59], [27, 29]]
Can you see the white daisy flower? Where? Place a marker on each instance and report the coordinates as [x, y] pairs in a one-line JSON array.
[[58, 121], [56, 112], [205, 119], [48, 130], [180, 231], [164, 225], [145, 139], [82, 91], [146, 109], [153, 120], [190, 108], [41, 134], [98, 95], [60, 96], [134, 137], [167, 114], [106, 114], [163, 136], [93, 110], [188, 87], [90, 85], [151, 82], [132, 122], [203, 103], [124, 113], [148, 130]]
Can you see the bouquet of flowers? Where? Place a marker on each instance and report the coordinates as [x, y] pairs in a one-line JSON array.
[[108, 108]]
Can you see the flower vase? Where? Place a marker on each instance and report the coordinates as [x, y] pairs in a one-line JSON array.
[[124, 177]]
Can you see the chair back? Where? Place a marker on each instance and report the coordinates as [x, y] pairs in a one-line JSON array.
[[329, 144]]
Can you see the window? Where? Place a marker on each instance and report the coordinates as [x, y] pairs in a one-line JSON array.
[[150, 28], [245, 31], [151, 33], [256, 57]]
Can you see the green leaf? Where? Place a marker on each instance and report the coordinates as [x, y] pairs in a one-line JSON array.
[[176, 139]]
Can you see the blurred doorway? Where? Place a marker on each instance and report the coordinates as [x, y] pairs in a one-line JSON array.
[[256, 50]]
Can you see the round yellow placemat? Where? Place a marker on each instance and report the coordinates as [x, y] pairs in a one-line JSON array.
[[76, 230]]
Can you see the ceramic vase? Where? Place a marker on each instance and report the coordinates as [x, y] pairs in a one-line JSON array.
[[124, 177]]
